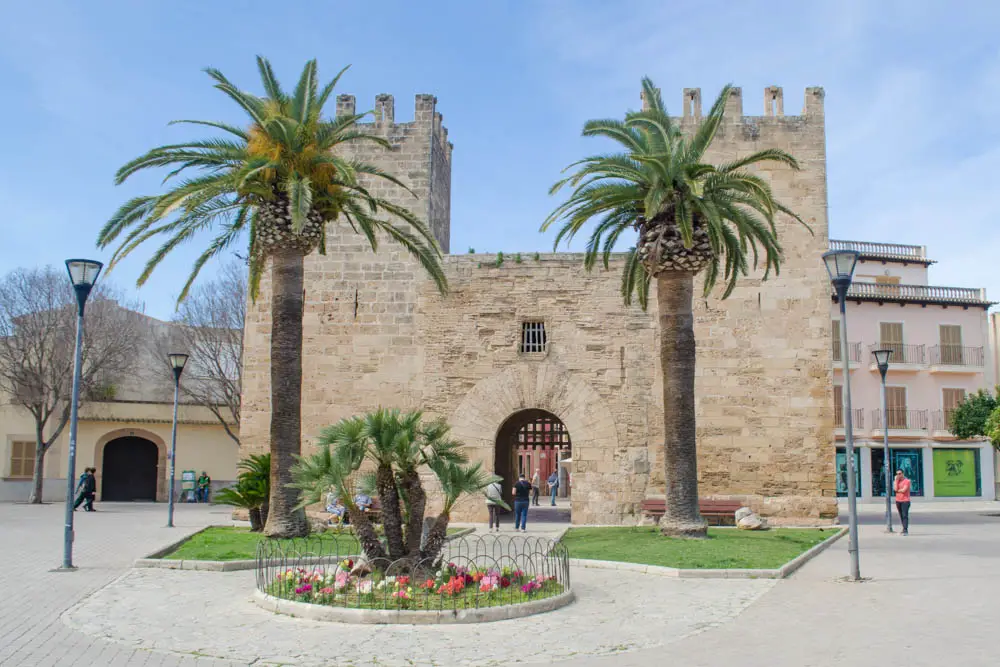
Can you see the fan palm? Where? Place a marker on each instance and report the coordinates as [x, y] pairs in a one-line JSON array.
[[691, 217], [252, 490], [273, 185], [398, 445]]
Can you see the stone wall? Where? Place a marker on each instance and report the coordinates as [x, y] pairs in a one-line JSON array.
[[377, 333]]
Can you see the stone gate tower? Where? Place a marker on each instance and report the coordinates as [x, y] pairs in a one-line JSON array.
[[377, 333]]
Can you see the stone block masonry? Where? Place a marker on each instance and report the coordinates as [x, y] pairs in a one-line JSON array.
[[377, 333]]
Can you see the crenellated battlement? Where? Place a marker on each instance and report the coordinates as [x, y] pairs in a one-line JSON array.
[[774, 105], [425, 115]]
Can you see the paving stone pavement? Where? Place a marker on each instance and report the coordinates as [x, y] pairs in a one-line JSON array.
[[931, 600], [107, 541], [210, 613]]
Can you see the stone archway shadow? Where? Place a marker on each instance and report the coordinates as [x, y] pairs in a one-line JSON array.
[[477, 421], [161, 458]]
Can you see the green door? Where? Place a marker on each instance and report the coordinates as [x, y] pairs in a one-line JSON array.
[[956, 473]]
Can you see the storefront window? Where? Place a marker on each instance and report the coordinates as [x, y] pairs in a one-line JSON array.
[[842, 472], [910, 461], [956, 473]]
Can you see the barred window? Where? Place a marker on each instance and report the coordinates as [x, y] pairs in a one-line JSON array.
[[533, 337]]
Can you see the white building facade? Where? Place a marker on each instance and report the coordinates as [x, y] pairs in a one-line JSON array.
[[940, 339]]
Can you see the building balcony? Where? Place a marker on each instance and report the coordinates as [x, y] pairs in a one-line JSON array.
[[854, 351], [901, 422], [895, 252], [857, 421], [940, 424], [904, 359], [918, 294], [957, 359]]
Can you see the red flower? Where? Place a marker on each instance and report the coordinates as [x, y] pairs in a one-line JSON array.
[[403, 581], [429, 583], [504, 582]]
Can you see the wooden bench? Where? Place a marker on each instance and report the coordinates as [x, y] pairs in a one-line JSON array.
[[721, 512]]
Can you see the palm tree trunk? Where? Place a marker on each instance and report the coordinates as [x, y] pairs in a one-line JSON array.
[[392, 515], [418, 505], [287, 302], [435, 539], [368, 539], [674, 299]]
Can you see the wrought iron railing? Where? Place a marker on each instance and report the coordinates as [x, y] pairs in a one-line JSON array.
[[900, 419], [901, 354], [853, 351], [857, 414], [957, 355], [941, 419], [471, 572], [914, 252], [916, 293]]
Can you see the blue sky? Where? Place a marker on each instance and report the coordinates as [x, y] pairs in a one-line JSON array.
[[912, 100]]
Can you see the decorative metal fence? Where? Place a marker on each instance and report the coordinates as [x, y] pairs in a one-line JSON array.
[[472, 572]]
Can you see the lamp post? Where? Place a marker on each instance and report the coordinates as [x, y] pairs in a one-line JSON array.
[[840, 265], [83, 274], [177, 361], [882, 360]]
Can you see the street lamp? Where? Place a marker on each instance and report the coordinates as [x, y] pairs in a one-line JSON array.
[[840, 265], [177, 361], [83, 274], [882, 360]]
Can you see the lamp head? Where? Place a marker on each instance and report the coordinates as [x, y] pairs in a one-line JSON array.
[[840, 265], [177, 362], [83, 274]]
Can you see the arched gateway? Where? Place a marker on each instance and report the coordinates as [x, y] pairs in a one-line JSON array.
[[129, 470], [529, 441], [503, 406]]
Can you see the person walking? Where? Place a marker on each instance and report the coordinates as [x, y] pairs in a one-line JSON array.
[[553, 482], [901, 485], [86, 490], [536, 482], [204, 485], [494, 503], [522, 499]]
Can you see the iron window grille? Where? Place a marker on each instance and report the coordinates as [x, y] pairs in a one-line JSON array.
[[533, 337]]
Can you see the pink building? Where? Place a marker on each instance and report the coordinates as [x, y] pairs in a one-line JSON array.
[[941, 352]]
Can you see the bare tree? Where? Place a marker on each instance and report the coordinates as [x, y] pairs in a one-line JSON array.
[[209, 327], [37, 332]]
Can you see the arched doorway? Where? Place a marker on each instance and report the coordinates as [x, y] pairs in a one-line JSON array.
[[531, 440], [129, 470]]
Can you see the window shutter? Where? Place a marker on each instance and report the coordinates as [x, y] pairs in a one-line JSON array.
[[835, 339], [951, 398], [891, 338], [951, 344], [895, 399], [838, 405]]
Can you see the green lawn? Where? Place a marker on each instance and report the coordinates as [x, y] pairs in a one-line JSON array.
[[725, 548], [233, 543], [236, 543]]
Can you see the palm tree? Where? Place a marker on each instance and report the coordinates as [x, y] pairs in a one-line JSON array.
[[252, 490], [691, 217], [398, 445], [275, 184]]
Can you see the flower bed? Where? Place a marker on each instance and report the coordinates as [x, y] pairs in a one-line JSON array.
[[476, 573]]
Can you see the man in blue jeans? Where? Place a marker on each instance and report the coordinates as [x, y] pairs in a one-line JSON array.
[[553, 481], [522, 499]]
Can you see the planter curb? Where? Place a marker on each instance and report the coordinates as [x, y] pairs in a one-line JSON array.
[[316, 612]]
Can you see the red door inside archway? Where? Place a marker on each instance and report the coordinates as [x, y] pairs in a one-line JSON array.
[[533, 440]]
